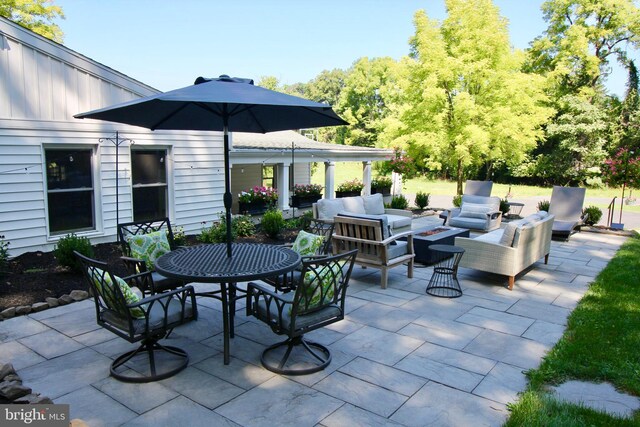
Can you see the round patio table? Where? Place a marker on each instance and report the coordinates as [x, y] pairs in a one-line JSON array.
[[210, 264]]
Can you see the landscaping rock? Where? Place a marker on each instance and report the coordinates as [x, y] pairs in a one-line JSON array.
[[12, 390], [34, 399], [23, 309], [6, 369], [13, 377], [77, 295], [65, 299], [53, 302], [8, 313], [39, 306]]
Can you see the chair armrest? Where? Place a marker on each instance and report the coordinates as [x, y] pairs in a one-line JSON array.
[[494, 214], [399, 212], [183, 295], [451, 213], [385, 242], [275, 304], [134, 265]]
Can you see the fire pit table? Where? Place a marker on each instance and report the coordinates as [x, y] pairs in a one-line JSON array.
[[430, 235]]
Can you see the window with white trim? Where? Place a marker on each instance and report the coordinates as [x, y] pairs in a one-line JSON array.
[[149, 179], [70, 192]]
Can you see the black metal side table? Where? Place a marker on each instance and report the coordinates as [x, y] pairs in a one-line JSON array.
[[444, 280]]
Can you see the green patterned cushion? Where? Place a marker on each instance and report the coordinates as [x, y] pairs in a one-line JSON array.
[[318, 287], [149, 247], [307, 244], [129, 294]]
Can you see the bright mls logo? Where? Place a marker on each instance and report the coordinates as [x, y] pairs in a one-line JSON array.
[[34, 415]]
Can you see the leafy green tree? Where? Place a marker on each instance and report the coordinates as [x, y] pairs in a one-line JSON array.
[[327, 87], [36, 15], [582, 38], [468, 102]]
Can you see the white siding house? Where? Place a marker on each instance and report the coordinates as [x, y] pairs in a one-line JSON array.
[[58, 174]]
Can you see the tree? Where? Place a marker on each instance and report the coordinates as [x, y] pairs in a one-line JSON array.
[[36, 15], [468, 101], [582, 37], [327, 87]]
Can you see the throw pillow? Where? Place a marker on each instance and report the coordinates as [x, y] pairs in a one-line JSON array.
[[516, 236], [508, 234], [130, 296], [149, 247], [328, 208], [307, 244], [474, 210], [318, 286]]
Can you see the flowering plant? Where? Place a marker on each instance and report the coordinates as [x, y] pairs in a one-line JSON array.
[[400, 163], [381, 182], [302, 190], [623, 168], [259, 194], [355, 185]]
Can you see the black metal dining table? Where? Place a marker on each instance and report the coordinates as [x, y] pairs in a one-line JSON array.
[[209, 263]]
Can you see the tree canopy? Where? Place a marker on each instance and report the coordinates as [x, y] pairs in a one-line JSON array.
[[36, 15]]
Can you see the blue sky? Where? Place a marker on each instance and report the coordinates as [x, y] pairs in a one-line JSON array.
[[167, 44]]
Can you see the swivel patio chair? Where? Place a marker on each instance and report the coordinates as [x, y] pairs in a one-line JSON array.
[[471, 188], [142, 243], [476, 212], [566, 206], [317, 301], [147, 320]]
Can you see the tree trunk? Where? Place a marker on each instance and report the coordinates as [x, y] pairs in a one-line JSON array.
[[489, 171], [459, 176]]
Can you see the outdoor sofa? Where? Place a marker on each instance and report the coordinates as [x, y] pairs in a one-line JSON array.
[[368, 207], [509, 250]]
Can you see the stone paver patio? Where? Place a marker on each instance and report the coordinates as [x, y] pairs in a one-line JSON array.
[[400, 357]]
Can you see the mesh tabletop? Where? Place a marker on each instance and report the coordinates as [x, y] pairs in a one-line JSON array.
[[209, 263]]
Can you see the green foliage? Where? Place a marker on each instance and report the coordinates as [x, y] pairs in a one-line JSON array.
[[65, 247], [4, 254], [593, 215], [217, 232], [243, 226], [422, 199], [457, 200], [504, 206], [381, 182], [300, 222], [36, 15], [272, 223], [354, 185], [543, 205], [399, 202], [179, 237]]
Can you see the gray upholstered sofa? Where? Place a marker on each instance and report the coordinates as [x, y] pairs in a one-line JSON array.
[[476, 212], [509, 250], [370, 207]]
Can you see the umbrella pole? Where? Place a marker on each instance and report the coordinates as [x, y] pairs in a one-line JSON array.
[[227, 185]]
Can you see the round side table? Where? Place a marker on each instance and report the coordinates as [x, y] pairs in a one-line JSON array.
[[444, 280]]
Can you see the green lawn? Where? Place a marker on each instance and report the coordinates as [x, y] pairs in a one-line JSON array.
[[601, 343]]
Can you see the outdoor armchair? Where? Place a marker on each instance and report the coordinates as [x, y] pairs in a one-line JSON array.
[[146, 320], [471, 188], [376, 246], [142, 243], [566, 206], [317, 301], [476, 212]]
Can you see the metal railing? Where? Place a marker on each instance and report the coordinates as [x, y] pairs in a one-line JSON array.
[[611, 208]]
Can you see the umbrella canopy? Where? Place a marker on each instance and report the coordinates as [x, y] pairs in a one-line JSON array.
[[223, 104]]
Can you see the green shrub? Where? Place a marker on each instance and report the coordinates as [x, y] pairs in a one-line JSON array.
[[593, 213], [4, 255], [217, 233], [179, 238], [543, 205], [504, 206], [243, 226], [457, 200], [272, 223], [399, 202], [65, 247], [422, 199]]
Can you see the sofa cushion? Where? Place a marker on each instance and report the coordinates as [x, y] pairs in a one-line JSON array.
[[475, 210], [494, 201], [493, 237], [398, 221], [373, 205], [464, 222], [395, 251], [354, 205], [508, 234], [328, 208]]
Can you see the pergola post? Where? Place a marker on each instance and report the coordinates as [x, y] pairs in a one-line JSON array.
[[329, 180], [366, 177]]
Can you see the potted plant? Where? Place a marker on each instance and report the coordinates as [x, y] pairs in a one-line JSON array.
[[381, 184], [305, 195], [257, 200], [350, 188]]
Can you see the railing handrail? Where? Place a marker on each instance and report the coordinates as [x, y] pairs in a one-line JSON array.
[[612, 208]]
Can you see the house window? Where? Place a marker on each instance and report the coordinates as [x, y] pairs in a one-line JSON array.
[[269, 176], [70, 192], [149, 177]]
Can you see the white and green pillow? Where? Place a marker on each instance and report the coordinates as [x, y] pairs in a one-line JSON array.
[[307, 244], [149, 247], [129, 294], [318, 286]]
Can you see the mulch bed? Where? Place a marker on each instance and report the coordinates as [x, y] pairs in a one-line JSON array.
[[34, 276]]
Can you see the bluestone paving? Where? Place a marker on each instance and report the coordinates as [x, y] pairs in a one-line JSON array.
[[601, 397], [400, 357]]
